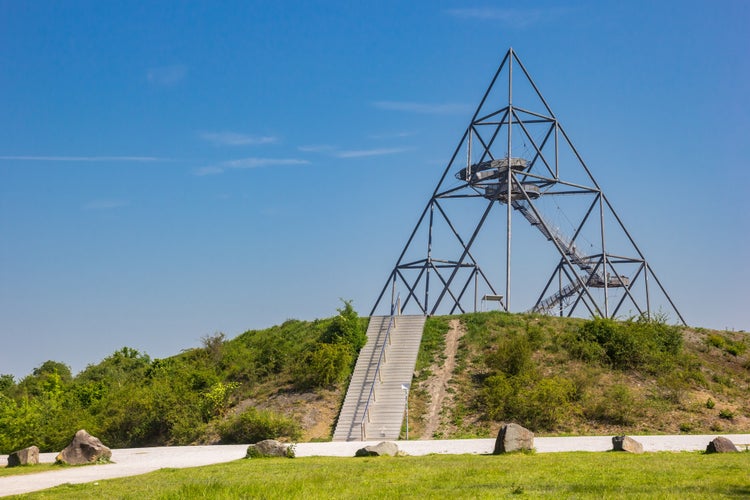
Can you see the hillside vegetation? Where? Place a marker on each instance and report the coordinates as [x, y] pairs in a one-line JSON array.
[[285, 381], [573, 376], [553, 375]]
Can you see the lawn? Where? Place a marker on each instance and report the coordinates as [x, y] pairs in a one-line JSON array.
[[578, 475], [27, 469]]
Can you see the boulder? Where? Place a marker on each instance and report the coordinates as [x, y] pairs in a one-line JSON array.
[[269, 448], [626, 443], [386, 448], [84, 449], [513, 437], [721, 445], [27, 456]]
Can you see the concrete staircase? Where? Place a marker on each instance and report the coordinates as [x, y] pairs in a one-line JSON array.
[[386, 407]]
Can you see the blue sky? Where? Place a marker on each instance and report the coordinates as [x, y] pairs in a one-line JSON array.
[[169, 170]]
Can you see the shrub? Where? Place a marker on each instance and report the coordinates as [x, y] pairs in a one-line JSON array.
[[626, 345], [216, 399], [733, 347], [620, 346], [253, 425], [6, 382], [710, 404], [326, 365], [715, 340], [497, 394], [346, 329], [540, 406], [726, 414], [547, 403], [582, 344], [614, 406], [686, 427], [512, 356]]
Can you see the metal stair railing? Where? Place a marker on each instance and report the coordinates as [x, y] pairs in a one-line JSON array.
[[555, 299], [395, 310], [569, 248]]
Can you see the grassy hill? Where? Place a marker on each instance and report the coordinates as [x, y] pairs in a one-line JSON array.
[[553, 375], [573, 376]]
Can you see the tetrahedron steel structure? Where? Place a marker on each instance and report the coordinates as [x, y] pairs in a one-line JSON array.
[[516, 164]]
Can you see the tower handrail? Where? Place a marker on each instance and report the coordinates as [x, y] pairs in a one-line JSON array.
[[395, 310], [583, 262], [557, 297]]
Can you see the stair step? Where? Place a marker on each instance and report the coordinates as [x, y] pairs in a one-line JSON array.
[[387, 410]]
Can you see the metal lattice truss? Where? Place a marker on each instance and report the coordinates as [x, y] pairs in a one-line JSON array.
[[516, 163]]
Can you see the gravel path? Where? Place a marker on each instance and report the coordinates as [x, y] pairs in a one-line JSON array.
[[134, 461]]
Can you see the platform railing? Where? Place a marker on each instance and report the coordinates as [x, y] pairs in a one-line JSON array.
[[382, 358]]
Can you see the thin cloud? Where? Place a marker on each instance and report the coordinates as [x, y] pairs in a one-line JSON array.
[[350, 153], [361, 153], [263, 162], [167, 75], [318, 148], [105, 204], [518, 18], [423, 108], [210, 170], [237, 139], [244, 163], [392, 135], [137, 159]]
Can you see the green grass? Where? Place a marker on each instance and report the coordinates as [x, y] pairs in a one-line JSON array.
[[433, 341], [27, 469], [550, 475]]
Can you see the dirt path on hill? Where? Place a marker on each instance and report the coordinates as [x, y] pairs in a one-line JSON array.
[[437, 384]]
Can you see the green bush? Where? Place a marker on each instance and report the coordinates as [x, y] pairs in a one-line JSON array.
[[546, 404], [539, 405], [733, 347], [253, 425], [497, 396], [626, 345], [346, 329], [620, 347], [716, 340], [325, 366], [726, 414], [216, 399], [615, 406], [512, 356]]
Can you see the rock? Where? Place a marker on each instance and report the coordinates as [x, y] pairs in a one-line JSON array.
[[721, 445], [269, 448], [626, 443], [84, 449], [513, 437], [27, 456], [386, 448]]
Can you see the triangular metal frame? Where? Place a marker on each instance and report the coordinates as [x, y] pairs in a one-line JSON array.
[[550, 167]]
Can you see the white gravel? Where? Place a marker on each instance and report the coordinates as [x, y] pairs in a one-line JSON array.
[[134, 461]]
